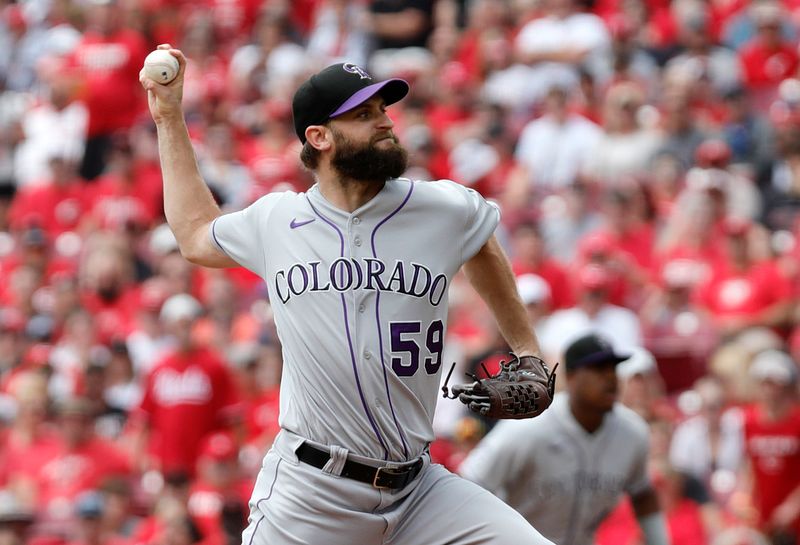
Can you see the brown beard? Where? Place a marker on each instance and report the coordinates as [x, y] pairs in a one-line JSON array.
[[367, 162]]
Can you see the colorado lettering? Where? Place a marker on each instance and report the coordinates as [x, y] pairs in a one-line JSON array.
[[345, 274]]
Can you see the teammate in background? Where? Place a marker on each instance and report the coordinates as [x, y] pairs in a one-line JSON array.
[[357, 270], [567, 469]]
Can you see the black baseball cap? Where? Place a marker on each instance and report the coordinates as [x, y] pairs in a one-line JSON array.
[[338, 89], [591, 350]]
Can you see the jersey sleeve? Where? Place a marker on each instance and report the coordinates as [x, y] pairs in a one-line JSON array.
[[240, 234], [479, 217]]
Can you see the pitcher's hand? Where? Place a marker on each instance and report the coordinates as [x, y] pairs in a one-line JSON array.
[[165, 100]]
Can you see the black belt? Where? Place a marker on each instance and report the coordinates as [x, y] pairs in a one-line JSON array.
[[379, 477]]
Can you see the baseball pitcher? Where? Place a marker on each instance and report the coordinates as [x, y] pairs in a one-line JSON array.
[[358, 270]]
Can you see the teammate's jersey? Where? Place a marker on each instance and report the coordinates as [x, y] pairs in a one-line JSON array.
[[360, 304], [561, 478]]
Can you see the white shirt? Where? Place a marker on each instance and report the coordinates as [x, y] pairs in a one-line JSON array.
[[584, 31], [49, 132], [618, 324], [554, 153], [690, 447]]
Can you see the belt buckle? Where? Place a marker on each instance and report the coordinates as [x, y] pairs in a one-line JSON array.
[[390, 470]]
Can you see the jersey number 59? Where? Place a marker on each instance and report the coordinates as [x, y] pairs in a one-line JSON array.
[[405, 337]]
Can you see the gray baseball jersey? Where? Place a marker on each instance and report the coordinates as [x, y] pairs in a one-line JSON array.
[[562, 479], [360, 305]]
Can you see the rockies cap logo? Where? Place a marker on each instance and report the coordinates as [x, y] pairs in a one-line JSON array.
[[354, 69]]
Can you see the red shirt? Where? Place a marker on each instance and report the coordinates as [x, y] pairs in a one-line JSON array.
[[557, 279], [206, 502], [766, 67], [113, 318], [261, 415], [54, 208], [111, 67], [68, 472], [684, 525], [186, 397], [774, 450], [21, 459], [272, 169], [731, 293], [115, 203]]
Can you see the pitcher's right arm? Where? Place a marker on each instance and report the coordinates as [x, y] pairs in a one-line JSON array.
[[188, 204]]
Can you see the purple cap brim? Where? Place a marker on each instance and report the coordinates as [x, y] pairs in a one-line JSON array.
[[363, 95]]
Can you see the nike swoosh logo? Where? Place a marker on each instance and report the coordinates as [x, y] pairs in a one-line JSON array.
[[295, 224]]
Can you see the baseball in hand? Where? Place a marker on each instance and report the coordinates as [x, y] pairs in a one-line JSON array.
[[161, 66]]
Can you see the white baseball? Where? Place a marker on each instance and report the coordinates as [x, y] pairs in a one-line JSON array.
[[161, 66]]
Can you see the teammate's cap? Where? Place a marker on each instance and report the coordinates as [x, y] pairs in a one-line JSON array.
[[590, 350], [774, 365], [338, 89]]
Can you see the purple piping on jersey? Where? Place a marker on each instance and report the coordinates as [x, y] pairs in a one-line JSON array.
[[350, 341], [216, 240], [378, 318], [271, 487]]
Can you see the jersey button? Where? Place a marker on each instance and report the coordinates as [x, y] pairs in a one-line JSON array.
[[356, 221], [357, 241], [361, 308], [367, 355]]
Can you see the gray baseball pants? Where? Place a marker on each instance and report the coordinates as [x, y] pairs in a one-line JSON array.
[[294, 503]]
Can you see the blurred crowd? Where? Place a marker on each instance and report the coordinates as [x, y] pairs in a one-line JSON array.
[[645, 155]]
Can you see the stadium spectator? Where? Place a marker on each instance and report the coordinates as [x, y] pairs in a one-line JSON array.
[[226, 176], [592, 312], [566, 218], [678, 332], [743, 292], [219, 490], [337, 34], [748, 134], [626, 148], [767, 58], [78, 462], [108, 290], [641, 387], [701, 54], [28, 441], [53, 127], [713, 170], [529, 256], [400, 24], [55, 204], [772, 447], [552, 151], [109, 57], [781, 186], [557, 44], [189, 384], [535, 294], [681, 133], [708, 444]]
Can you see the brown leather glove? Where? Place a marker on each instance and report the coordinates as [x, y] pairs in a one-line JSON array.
[[523, 388]]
